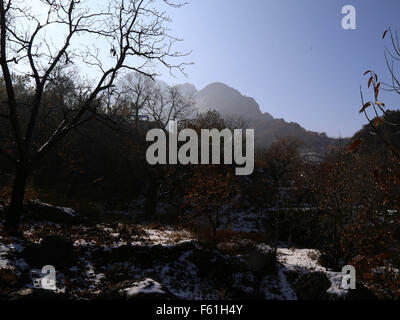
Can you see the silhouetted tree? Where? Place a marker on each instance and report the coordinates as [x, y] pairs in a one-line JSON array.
[[133, 34]]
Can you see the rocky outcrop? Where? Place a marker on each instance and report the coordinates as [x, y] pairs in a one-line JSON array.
[[261, 262], [361, 293], [35, 295], [142, 256], [313, 286], [53, 250], [43, 211], [8, 281], [147, 289], [227, 101]]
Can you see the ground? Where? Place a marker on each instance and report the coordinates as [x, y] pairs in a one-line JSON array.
[[114, 261]]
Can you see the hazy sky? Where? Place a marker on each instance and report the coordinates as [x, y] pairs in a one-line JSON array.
[[292, 56]]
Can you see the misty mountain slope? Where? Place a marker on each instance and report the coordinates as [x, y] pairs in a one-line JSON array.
[[187, 89], [266, 132], [230, 103], [227, 101]]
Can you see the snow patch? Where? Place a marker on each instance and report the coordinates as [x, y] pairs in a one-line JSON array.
[[306, 260], [147, 286]]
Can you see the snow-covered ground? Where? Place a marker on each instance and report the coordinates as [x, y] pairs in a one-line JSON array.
[[179, 275], [106, 256], [301, 261]]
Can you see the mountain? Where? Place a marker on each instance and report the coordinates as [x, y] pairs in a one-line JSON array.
[[187, 89], [267, 131], [230, 103], [227, 101]]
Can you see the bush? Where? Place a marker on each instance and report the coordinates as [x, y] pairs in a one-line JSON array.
[[313, 286]]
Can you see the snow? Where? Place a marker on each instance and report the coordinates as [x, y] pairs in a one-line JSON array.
[[147, 286], [180, 276], [3, 258], [242, 221], [306, 260], [285, 289], [67, 211], [166, 236], [84, 243], [301, 261], [9, 249], [299, 258]]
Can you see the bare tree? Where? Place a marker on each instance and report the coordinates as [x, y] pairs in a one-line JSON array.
[[282, 160], [168, 104], [165, 104], [133, 35], [136, 91]]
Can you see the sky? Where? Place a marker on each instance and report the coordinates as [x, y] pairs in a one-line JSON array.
[[292, 56]]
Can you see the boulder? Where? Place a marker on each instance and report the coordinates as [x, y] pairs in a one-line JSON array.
[[43, 211], [361, 293], [36, 294], [313, 286], [260, 262], [143, 256], [213, 265], [210, 263], [147, 289], [53, 250], [8, 281]]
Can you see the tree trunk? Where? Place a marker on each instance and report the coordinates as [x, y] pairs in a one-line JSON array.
[[14, 213], [137, 118], [151, 198]]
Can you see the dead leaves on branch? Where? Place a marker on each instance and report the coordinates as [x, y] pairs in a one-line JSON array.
[[370, 81], [356, 143], [376, 90], [378, 121], [373, 80], [365, 106], [384, 34]]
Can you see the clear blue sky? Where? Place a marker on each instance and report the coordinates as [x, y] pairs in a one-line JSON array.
[[292, 56]]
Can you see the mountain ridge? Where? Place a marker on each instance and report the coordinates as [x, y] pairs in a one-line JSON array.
[[231, 103]]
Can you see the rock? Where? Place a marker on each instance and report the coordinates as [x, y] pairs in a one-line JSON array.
[[360, 293], [313, 286], [53, 250], [147, 289], [209, 262], [142, 256], [261, 262], [44, 211], [36, 294], [243, 286], [8, 281], [212, 264]]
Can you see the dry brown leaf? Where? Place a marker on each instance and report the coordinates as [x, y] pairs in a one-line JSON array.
[[384, 34], [354, 145], [365, 106]]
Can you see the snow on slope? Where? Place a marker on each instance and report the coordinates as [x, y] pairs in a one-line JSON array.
[[146, 286], [301, 261]]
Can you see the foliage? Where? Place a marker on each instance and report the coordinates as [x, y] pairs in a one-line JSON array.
[[212, 190]]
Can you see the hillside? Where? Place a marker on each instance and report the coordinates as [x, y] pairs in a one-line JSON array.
[[388, 131], [230, 103]]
